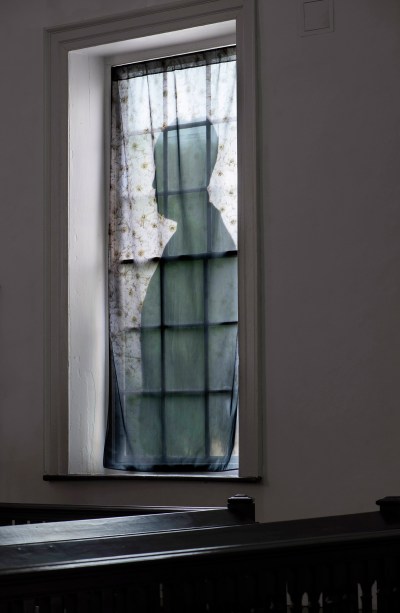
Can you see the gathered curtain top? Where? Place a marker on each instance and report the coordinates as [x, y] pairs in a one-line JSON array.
[[169, 64]]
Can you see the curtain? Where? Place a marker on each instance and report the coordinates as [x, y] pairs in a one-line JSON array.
[[173, 396]]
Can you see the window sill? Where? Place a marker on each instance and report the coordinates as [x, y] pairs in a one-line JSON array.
[[225, 476]]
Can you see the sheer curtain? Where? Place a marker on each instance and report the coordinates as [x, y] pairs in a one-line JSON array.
[[173, 265]]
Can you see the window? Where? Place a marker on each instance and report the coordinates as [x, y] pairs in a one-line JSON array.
[[78, 66], [173, 264]]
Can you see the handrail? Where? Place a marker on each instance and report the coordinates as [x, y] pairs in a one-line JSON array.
[[16, 513], [180, 563]]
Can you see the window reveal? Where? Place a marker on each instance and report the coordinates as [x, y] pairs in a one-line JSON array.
[[173, 265]]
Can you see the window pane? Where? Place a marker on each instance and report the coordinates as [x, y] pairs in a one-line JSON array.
[[189, 209], [151, 359], [220, 363], [184, 360], [132, 360], [184, 426], [220, 416], [143, 424], [183, 292], [223, 305], [151, 310]]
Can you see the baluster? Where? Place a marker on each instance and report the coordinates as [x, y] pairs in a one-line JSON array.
[[366, 596], [369, 586], [329, 592], [181, 595], [279, 598], [168, 600], [83, 602], [56, 605], [15, 606], [382, 597], [265, 590], [106, 600], [29, 606], [226, 594], [295, 587], [359, 577], [396, 584], [386, 583], [304, 580], [153, 597], [43, 605], [69, 603], [247, 592], [351, 580], [314, 588], [342, 593], [205, 595], [119, 600], [197, 594], [313, 601], [320, 580], [137, 599]]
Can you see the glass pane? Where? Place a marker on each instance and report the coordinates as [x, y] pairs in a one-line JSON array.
[[189, 210], [220, 421], [151, 359], [184, 425], [187, 158], [184, 360], [220, 238], [222, 353], [183, 293], [222, 302], [142, 419], [151, 311], [132, 360]]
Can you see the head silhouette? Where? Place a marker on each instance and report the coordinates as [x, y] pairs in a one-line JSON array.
[[185, 155]]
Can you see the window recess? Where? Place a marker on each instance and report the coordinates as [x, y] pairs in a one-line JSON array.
[[78, 64]]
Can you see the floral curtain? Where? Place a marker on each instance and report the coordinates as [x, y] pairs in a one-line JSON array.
[[173, 265]]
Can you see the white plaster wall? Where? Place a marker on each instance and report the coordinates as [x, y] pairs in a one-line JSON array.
[[88, 342], [330, 159]]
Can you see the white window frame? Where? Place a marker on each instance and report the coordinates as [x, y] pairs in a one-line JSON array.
[[75, 394]]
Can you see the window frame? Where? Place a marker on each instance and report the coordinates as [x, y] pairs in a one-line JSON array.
[[59, 42]]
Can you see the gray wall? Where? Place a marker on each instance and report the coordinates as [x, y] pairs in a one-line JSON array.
[[330, 128]]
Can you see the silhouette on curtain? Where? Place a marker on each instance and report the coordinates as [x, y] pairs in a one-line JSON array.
[[189, 316]]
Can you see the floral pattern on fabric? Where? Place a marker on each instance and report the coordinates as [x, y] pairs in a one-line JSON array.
[[146, 99]]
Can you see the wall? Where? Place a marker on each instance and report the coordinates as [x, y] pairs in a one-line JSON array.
[[330, 127]]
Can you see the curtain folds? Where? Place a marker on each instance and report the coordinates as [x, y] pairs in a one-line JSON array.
[[173, 265]]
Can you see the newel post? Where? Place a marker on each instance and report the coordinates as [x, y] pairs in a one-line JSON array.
[[242, 506]]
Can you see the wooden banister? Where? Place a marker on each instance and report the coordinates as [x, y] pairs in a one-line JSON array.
[[202, 561], [19, 513]]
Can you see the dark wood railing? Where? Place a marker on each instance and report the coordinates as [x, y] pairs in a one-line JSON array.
[[202, 561], [12, 514]]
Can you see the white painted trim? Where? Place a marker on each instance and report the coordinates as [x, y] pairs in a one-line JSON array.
[[59, 42], [168, 43], [87, 263], [251, 392]]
